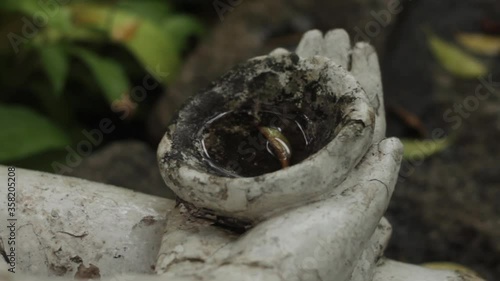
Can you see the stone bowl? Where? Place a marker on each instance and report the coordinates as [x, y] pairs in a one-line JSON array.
[[213, 157]]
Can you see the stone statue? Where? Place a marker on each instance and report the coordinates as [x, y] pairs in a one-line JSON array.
[[282, 172]]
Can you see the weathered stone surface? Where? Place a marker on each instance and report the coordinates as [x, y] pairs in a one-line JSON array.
[[64, 223], [276, 247], [276, 80]]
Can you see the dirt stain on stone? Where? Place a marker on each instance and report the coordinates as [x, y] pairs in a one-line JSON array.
[[84, 273]]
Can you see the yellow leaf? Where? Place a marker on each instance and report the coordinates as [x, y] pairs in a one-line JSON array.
[[451, 266], [155, 47], [420, 149], [126, 31], [480, 43], [454, 60]]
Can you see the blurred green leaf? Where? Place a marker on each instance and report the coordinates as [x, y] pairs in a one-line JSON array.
[[421, 149], [62, 20], [154, 10], [156, 41], [155, 49], [180, 28], [108, 73], [55, 64], [454, 60], [91, 15], [480, 43], [62, 25], [25, 132], [25, 6]]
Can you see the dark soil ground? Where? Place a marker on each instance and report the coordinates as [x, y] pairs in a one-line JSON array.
[[446, 207]]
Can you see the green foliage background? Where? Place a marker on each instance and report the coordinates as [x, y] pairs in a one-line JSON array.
[[63, 62]]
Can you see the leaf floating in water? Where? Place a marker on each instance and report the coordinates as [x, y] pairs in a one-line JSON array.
[[480, 43], [454, 60], [279, 143], [420, 149]]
